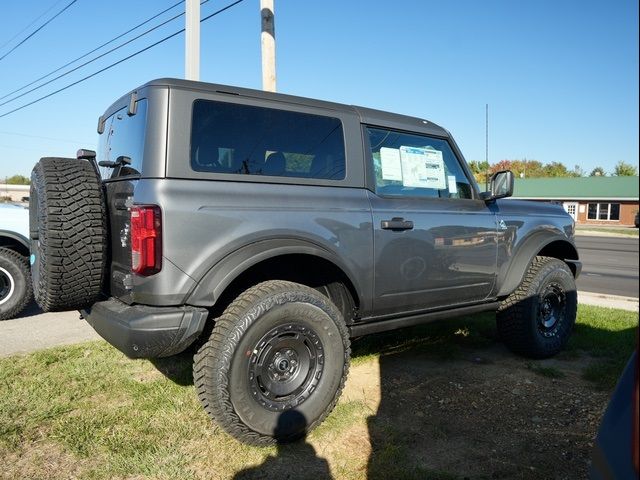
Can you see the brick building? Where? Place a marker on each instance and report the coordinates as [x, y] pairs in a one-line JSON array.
[[589, 200]]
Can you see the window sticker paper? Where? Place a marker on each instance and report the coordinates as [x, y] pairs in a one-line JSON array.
[[435, 169], [422, 168], [414, 167], [391, 165], [453, 186]]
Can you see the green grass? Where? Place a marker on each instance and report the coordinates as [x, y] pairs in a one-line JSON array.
[[609, 336], [88, 411]]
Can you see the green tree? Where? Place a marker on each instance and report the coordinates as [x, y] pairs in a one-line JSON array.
[[577, 171], [624, 169], [598, 172], [557, 169], [521, 168], [480, 170], [18, 180]]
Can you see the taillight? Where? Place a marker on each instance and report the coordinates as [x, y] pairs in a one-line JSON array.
[[146, 239]]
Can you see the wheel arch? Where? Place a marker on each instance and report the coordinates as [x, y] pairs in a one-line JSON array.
[[14, 241], [292, 260], [542, 244]]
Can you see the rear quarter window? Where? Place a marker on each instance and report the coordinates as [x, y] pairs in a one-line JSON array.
[[250, 140], [123, 135]]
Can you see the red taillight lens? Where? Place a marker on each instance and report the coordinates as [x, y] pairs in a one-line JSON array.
[[146, 239]]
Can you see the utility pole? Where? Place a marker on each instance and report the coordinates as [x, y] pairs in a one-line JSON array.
[[192, 40], [268, 42], [486, 143]]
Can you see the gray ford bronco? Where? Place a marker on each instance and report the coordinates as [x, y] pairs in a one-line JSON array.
[[264, 231]]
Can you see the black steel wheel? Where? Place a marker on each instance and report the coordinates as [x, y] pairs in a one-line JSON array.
[[537, 319], [275, 364], [552, 309], [286, 366]]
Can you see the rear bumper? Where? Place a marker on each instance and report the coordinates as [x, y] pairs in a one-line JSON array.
[[140, 331]]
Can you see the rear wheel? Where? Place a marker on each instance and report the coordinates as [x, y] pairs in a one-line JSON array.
[[67, 223], [537, 319], [275, 364], [15, 283]]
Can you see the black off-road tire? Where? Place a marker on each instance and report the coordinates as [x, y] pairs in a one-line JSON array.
[[15, 283], [537, 319], [249, 348], [67, 223]]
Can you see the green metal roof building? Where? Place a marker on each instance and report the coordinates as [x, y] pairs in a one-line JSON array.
[[589, 200]]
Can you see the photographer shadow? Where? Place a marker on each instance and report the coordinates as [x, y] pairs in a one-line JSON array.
[[292, 460]]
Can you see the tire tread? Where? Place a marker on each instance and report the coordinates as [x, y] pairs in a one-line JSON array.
[[210, 367]]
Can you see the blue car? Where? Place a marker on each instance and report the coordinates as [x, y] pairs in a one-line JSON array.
[[615, 455]]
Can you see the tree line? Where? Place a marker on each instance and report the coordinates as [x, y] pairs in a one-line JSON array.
[[17, 180], [536, 169]]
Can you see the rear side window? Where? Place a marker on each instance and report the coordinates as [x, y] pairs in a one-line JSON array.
[[243, 139], [123, 136]]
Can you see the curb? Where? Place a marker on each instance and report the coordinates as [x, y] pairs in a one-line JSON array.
[[595, 233], [608, 301]]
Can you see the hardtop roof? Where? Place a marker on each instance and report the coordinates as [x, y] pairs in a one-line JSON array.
[[366, 115]]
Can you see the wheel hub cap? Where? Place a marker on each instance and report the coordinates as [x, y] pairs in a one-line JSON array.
[[285, 366], [552, 309]]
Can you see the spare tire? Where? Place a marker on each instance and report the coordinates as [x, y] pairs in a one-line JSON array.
[[68, 231]]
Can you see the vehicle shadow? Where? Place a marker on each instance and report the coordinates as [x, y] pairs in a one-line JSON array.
[[454, 402], [177, 368], [30, 311]]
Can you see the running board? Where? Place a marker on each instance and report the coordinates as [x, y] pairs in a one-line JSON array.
[[368, 328]]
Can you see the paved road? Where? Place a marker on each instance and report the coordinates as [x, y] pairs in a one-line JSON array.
[[609, 265], [35, 330]]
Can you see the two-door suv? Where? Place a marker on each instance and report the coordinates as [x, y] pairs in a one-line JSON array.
[[266, 230]]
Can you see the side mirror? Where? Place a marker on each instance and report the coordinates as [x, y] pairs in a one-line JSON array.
[[500, 186]]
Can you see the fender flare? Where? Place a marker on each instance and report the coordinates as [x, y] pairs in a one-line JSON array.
[[530, 247], [21, 239], [210, 287]]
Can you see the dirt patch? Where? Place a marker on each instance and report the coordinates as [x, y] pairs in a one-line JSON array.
[[42, 460], [486, 414]]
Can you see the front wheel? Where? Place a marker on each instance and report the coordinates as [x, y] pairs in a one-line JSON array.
[[275, 364], [537, 319]]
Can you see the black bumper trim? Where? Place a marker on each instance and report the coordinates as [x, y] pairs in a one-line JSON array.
[[141, 331]]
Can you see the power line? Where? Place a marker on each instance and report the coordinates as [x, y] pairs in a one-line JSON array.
[[38, 29], [146, 32], [118, 62], [94, 50], [63, 140], [29, 25]]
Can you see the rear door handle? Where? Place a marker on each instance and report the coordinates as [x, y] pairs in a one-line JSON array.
[[396, 223]]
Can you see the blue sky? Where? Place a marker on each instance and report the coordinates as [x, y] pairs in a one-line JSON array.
[[560, 77]]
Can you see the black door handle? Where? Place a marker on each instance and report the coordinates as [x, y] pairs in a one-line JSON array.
[[396, 223]]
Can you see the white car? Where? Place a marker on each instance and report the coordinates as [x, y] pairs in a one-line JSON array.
[[15, 278]]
